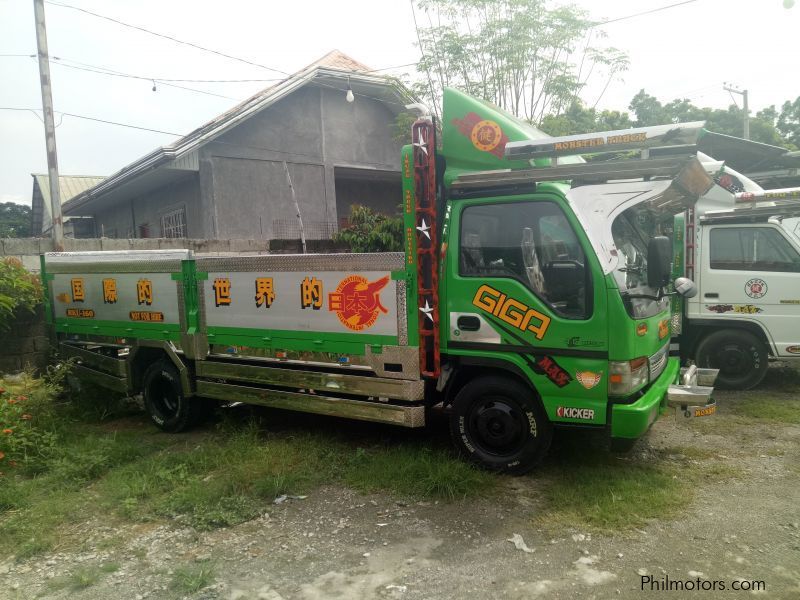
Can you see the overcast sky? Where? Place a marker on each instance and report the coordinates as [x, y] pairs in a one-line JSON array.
[[687, 51]]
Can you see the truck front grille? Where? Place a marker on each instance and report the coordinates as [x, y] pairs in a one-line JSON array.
[[658, 362]]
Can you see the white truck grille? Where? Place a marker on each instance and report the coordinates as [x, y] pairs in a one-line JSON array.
[[658, 361]]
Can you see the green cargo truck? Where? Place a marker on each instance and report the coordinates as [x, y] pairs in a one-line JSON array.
[[532, 293]]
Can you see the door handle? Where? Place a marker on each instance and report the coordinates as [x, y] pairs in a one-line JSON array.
[[468, 323], [711, 295]]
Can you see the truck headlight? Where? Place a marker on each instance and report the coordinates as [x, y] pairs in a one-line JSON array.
[[626, 376]]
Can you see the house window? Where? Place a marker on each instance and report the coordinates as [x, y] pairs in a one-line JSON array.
[[173, 224]]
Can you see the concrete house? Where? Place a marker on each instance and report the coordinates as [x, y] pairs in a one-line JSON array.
[[234, 177]]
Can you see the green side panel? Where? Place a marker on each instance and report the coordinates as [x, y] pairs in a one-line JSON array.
[[632, 338], [122, 329], [337, 343], [191, 305], [572, 395], [410, 245], [559, 361]]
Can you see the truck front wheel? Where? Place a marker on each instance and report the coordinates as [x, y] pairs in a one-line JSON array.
[[164, 400], [739, 355], [500, 425]]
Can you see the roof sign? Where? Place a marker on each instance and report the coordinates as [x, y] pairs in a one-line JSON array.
[[658, 136], [769, 195]]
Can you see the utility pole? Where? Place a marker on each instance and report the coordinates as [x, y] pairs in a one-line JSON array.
[[49, 126], [743, 94]]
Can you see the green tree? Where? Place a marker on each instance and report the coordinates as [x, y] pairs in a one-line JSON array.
[[369, 231], [519, 54], [788, 122], [579, 119], [649, 111], [15, 220]]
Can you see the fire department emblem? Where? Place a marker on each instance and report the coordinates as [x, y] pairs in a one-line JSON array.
[[588, 379], [357, 302], [756, 288]]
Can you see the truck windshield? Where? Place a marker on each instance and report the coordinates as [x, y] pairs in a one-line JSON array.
[[631, 231], [793, 227]]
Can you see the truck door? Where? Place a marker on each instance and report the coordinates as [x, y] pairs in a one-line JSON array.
[[520, 289], [752, 272]]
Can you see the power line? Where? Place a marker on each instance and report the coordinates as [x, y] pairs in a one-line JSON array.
[[67, 114], [142, 78], [165, 36], [646, 12]]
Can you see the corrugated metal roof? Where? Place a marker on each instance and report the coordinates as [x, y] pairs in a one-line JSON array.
[[71, 185]]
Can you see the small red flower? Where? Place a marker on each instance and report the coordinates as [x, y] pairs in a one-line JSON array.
[[8, 431], [12, 401], [2, 390], [2, 455], [22, 398]]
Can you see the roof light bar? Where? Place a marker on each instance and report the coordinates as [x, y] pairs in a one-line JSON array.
[[769, 195], [641, 138]]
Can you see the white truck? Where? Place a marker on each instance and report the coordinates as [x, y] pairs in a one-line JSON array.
[[741, 246]]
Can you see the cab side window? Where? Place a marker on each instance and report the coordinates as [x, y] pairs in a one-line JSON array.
[[533, 243], [752, 249]]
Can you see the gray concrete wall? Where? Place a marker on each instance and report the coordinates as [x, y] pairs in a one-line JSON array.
[[126, 218], [258, 201], [25, 344], [244, 188]]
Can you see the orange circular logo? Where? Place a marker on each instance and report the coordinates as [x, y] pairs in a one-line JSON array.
[[357, 302], [486, 135]]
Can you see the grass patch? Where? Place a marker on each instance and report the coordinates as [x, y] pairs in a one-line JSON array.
[[609, 493], [606, 493], [192, 578], [208, 479], [416, 471], [81, 578], [773, 409]]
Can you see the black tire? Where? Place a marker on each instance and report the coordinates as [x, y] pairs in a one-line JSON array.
[[499, 424], [164, 400], [739, 355]]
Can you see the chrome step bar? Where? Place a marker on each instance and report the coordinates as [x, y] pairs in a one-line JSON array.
[[380, 412]]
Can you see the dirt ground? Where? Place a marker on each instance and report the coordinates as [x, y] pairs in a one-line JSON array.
[[339, 544]]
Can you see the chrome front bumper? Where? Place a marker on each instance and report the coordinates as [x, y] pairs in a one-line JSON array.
[[692, 396]]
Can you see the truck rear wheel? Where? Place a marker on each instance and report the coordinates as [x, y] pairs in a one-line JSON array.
[[164, 400], [500, 425], [739, 355]]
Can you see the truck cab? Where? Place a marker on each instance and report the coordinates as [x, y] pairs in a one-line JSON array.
[[743, 251]]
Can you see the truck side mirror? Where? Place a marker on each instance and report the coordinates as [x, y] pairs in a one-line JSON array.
[[659, 261], [685, 287]]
